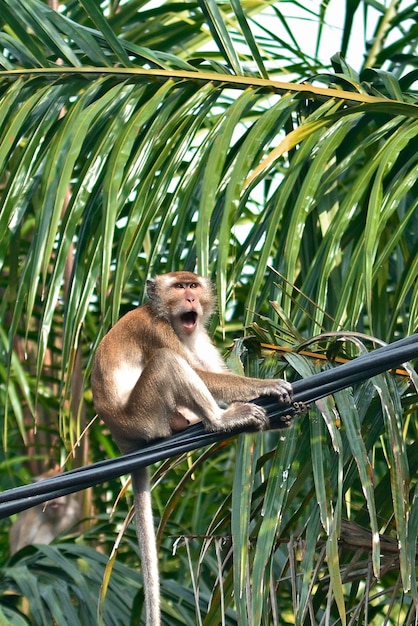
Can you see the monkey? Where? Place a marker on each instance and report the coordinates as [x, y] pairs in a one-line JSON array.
[[155, 373], [43, 522]]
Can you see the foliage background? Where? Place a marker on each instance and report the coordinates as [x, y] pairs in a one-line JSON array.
[[141, 137]]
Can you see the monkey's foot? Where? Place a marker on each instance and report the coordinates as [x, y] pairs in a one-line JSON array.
[[246, 414], [282, 421], [285, 421]]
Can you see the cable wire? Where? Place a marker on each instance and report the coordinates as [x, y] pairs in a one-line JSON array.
[[307, 390]]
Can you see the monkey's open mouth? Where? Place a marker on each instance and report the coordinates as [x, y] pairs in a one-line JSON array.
[[189, 319]]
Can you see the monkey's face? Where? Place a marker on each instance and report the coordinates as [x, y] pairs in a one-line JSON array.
[[186, 306], [183, 298], [54, 509]]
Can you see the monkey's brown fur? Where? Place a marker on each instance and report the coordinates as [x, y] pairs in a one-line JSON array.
[[157, 372]]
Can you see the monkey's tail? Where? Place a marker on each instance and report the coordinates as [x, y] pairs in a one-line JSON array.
[[147, 545]]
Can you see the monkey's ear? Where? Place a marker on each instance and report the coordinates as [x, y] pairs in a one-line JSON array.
[[151, 288]]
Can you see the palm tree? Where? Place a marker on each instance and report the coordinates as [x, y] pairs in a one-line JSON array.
[[137, 138]]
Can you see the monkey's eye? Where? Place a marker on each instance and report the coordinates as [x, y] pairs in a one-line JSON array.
[[178, 286], [193, 285]]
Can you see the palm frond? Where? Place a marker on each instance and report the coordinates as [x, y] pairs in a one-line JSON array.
[[136, 139]]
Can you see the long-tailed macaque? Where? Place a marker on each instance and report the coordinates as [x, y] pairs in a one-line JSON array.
[[155, 373], [43, 522]]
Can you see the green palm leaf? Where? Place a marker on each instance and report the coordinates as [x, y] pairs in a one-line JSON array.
[[138, 138]]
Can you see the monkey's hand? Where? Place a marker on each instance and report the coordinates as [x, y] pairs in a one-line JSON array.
[[300, 408], [281, 389]]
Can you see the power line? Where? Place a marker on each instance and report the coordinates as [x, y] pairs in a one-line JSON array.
[[306, 390]]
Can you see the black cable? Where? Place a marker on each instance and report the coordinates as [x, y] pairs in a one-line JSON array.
[[306, 390]]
